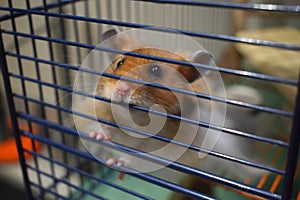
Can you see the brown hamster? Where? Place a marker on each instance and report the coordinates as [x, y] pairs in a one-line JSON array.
[[125, 92], [165, 100], [150, 97]]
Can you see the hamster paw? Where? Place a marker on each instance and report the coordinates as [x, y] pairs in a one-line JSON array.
[[112, 161], [121, 162], [100, 136]]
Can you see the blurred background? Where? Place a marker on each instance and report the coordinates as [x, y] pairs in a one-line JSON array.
[[277, 27]]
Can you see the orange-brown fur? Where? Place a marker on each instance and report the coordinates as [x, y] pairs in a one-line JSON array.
[[147, 96], [171, 102], [159, 96]]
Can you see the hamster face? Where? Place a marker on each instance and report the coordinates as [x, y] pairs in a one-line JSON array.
[[165, 74]]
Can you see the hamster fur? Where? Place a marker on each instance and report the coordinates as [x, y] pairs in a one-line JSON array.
[[125, 92], [146, 96]]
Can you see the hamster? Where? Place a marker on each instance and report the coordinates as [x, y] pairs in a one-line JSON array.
[[124, 93], [164, 99]]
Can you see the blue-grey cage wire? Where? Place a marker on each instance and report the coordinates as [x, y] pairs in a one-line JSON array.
[[65, 28]]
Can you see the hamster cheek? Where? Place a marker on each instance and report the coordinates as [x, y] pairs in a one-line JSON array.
[[168, 100], [106, 90]]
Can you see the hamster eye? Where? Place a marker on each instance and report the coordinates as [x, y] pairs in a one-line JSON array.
[[155, 70], [121, 62]]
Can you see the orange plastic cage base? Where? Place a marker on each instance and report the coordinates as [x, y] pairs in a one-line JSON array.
[[8, 148]]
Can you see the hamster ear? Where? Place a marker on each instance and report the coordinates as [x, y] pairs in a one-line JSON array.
[[191, 73], [202, 57], [109, 33], [115, 39]]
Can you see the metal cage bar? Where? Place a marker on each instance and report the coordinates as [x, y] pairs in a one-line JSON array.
[[13, 113], [293, 151], [45, 11]]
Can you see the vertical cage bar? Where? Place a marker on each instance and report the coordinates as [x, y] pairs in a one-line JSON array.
[[13, 114], [54, 80], [87, 24], [38, 75], [24, 91], [66, 81], [99, 16], [291, 164]]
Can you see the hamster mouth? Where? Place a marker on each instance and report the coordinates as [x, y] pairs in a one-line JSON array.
[[146, 97], [146, 100], [135, 99], [120, 98]]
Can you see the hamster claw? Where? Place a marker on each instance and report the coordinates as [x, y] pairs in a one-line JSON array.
[[99, 136], [123, 162], [120, 163], [92, 134], [112, 161]]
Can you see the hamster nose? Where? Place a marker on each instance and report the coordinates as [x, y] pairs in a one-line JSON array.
[[122, 88]]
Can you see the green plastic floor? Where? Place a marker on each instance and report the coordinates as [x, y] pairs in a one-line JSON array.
[[128, 183]]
